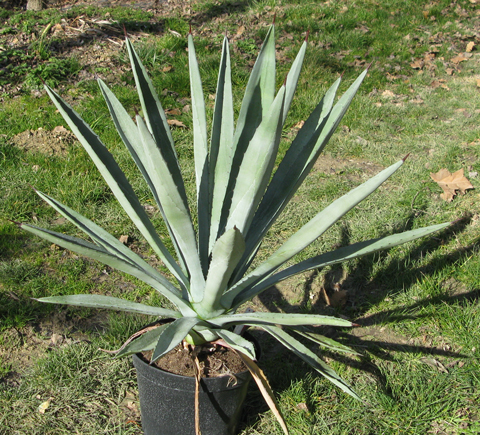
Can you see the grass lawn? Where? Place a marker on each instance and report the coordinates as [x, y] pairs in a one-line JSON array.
[[417, 305]]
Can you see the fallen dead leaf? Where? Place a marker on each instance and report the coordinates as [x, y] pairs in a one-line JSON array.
[[388, 94], [302, 406], [124, 239], [173, 112], [240, 32], [418, 64], [56, 339], [439, 84], [149, 208], [451, 184], [462, 57], [175, 33], [176, 123], [470, 46], [44, 406]]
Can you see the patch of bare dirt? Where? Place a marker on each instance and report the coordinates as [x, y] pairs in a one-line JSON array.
[[350, 168], [52, 143], [379, 334], [325, 293], [23, 347]]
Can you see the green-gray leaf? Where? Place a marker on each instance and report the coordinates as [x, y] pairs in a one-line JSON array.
[[109, 303], [309, 357], [173, 334]]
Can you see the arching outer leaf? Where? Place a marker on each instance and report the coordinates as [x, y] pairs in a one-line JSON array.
[[109, 303], [338, 256], [107, 241], [310, 232], [128, 132], [322, 340], [277, 319], [309, 357], [172, 335], [100, 254], [116, 180]]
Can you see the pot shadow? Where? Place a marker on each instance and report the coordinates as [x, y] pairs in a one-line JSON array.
[[395, 277]]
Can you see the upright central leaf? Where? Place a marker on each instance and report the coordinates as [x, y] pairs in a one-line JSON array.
[[221, 144], [257, 166], [200, 148], [258, 98]]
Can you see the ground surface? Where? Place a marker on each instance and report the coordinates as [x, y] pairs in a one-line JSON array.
[[97, 43]]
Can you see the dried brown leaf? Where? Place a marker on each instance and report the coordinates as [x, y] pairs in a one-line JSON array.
[[451, 184], [470, 46], [240, 32], [176, 123], [462, 57], [418, 64], [173, 112], [302, 406], [264, 388], [44, 406], [388, 94], [124, 239]]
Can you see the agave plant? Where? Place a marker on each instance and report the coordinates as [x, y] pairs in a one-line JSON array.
[[238, 200]]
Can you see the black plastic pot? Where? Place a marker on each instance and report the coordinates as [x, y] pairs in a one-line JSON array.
[[167, 401]]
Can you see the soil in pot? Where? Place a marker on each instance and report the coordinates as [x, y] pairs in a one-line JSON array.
[[214, 361]]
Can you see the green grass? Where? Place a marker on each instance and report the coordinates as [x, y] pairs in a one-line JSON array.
[[417, 304]]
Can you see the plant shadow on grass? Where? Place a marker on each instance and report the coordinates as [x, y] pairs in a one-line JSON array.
[[381, 348], [218, 9]]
